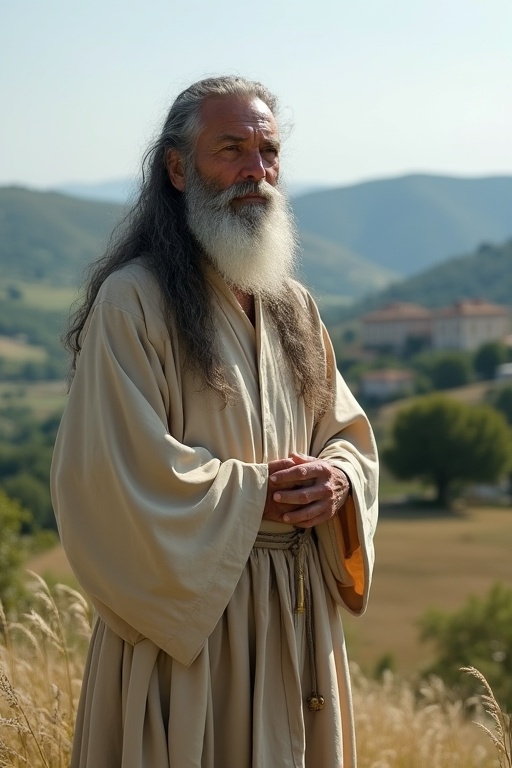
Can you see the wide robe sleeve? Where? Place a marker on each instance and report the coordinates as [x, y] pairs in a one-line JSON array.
[[344, 437], [156, 531]]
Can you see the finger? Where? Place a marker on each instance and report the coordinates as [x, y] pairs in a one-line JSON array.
[[279, 464], [300, 473], [301, 458], [305, 494], [307, 517]]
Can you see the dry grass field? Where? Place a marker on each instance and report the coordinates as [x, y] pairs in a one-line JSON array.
[[43, 398], [43, 296], [41, 665], [20, 351], [436, 560]]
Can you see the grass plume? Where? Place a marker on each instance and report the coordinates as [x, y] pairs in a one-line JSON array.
[[501, 735]]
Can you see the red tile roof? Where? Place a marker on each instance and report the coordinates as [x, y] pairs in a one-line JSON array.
[[472, 308], [398, 311]]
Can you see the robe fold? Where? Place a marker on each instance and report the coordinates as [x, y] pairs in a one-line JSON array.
[[197, 659]]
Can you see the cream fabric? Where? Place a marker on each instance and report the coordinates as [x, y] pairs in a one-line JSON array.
[[197, 659]]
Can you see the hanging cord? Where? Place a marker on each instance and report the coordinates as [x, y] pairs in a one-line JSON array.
[[295, 541]]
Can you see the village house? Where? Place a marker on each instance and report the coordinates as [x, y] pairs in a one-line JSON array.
[[393, 325], [464, 325], [468, 324]]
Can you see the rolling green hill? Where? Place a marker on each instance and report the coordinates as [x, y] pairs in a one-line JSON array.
[[411, 223], [48, 237], [485, 274], [332, 270]]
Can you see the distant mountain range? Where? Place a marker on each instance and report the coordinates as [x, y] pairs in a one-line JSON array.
[[113, 191], [410, 223], [121, 190], [356, 240]]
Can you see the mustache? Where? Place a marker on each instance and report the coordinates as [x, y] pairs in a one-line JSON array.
[[224, 197]]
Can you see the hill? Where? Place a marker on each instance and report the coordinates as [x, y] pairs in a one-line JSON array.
[[112, 191], [48, 237], [410, 223], [331, 270], [484, 274], [121, 190]]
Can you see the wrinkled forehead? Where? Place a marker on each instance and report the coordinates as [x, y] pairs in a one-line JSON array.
[[235, 114]]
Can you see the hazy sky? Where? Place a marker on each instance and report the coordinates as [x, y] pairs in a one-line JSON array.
[[373, 87]]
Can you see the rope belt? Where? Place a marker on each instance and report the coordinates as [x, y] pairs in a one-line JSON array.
[[295, 541]]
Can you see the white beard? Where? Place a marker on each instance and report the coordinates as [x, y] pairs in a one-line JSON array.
[[253, 247]]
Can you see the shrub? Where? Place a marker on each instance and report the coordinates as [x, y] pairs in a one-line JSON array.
[[12, 551], [478, 635]]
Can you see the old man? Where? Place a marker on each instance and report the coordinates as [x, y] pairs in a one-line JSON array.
[[214, 480]]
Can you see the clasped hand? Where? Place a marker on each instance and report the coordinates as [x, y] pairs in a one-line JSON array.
[[304, 491]]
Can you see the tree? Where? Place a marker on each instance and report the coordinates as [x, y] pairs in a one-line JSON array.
[[452, 370], [488, 357], [445, 369], [14, 292], [477, 635], [33, 495], [501, 399], [26, 445], [443, 441], [12, 551]]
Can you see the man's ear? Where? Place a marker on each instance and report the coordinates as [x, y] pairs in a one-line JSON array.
[[174, 165]]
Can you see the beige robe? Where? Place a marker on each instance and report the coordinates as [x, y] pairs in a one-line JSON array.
[[197, 658]]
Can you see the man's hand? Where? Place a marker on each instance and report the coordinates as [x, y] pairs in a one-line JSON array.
[[304, 491], [273, 510]]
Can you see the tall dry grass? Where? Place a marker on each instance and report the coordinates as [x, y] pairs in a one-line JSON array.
[[399, 725], [42, 656]]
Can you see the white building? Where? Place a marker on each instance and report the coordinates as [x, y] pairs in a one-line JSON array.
[[468, 324], [391, 326]]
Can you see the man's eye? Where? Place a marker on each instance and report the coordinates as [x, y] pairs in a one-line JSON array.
[[270, 153]]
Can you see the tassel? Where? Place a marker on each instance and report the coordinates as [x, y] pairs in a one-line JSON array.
[[300, 606], [316, 702]]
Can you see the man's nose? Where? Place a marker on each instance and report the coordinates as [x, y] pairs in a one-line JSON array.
[[254, 167]]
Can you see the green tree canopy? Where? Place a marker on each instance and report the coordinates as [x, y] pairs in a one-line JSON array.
[[444, 369], [12, 551], [452, 370], [501, 399], [26, 445], [479, 634], [488, 357], [443, 441]]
